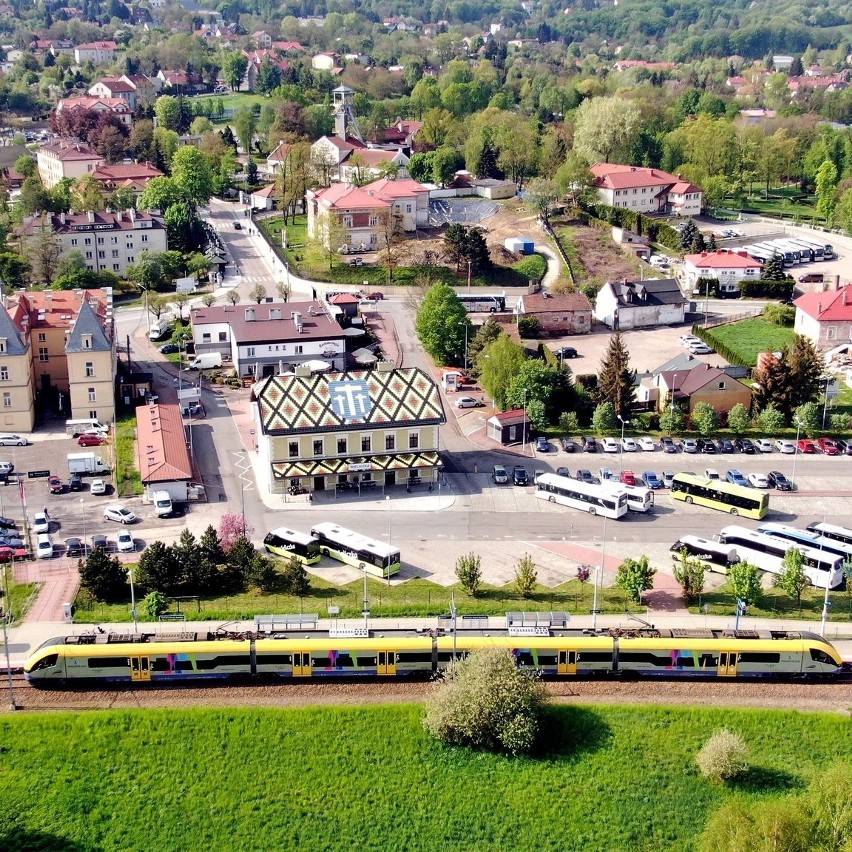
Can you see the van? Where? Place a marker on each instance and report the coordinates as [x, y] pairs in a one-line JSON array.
[[159, 328], [206, 361], [75, 428], [162, 503]]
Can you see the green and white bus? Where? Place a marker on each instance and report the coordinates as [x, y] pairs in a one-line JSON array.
[[286, 542], [374, 557], [717, 494]]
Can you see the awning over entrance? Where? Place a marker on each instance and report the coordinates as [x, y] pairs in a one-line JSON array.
[[359, 465]]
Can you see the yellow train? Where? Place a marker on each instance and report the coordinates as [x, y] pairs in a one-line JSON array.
[[188, 657]]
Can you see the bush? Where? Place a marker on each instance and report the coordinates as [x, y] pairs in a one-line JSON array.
[[469, 573], [780, 314], [487, 702], [294, 578], [529, 327], [525, 576], [723, 756]]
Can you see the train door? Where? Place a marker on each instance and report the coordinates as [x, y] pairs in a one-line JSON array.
[[387, 663], [301, 664], [140, 669], [567, 663], [728, 664]]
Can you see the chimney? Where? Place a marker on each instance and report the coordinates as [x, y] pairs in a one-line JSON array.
[[249, 314], [275, 313], [91, 215], [844, 296]]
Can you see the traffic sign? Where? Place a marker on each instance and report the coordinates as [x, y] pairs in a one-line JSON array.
[[37, 474]]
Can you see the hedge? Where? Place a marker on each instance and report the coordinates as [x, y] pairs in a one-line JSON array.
[[707, 335]]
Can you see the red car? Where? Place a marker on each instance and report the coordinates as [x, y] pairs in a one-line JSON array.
[[55, 484], [829, 446], [377, 296], [628, 477], [805, 445], [90, 440]]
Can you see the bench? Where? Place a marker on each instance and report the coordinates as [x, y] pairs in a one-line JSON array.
[[368, 483], [295, 621]]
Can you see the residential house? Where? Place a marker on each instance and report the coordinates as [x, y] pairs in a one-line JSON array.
[[147, 88], [182, 82], [326, 430], [288, 46], [118, 107], [702, 383], [96, 52], [645, 190], [262, 39], [115, 87], [65, 158], [277, 158], [71, 340], [557, 313], [264, 198], [132, 176], [372, 162], [17, 391], [325, 61], [270, 338], [161, 451], [328, 152], [641, 304], [403, 132], [825, 318], [729, 268], [107, 241]]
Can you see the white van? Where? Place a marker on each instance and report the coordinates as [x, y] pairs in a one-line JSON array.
[[75, 428], [162, 503], [206, 361], [160, 327]]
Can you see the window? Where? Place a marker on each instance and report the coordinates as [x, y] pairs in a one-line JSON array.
[[318, 447], [341, 446], [87, 241], [299, 349], [115, 252], [4, 374], [223, 337], [144, 238], [100, 241], [293, 449], [413, 440], [93, 396], [74, 241], [366, 444], [831, 332], [390, 442], [113, 241], [101, 254], [90, 369], [115, 267], [88, 255], [93, 413], [42, 337], [7, 399], [407, 208], [249, 351], [87, 341], [43, 354], [131, 258], [205, 337], [721, 386]]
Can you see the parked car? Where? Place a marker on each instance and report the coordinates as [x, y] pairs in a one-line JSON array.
[[563, 471], [566, 352], [705, 445], [668, 477], [828, 446], [590, 445], [758, 480], [124, 542], [376, 296], [41, 523], [469, 402], [75, 483], [237, 226], [785, 446], [568, 444], [91, 440], [647, 444], [628, 445], [356, 261], [651, 480], [584, 475], [628, 477], [723, 445], [744, 445], [101, 541], [7, 524], [98, 486], [779, 481], [44, 546], [170, 349], [499, 475], [609, 445], [13, 441], [689, 445], [604, 473], [55, 485], [667, 445], [119, 513], [764, 445], [519, 475], [6, 467], [688, 340], [736, 478], [542, 445], [11, 540], [711, 473], [699, 349], [845, 447], [806, 445], [74, 547]]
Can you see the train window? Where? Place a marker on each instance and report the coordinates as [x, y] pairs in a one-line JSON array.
[[364, 662], [546, 659], [410, 659], [762, 659], [708, 661], [321, 662], [221, 662], [48, 662], [275, 659], [524, 658], [344, 661], [821, 657], [644, 657], [595, 656], [685, 662], [108, 662]]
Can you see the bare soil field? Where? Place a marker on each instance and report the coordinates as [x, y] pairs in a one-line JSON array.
[[595, 258]]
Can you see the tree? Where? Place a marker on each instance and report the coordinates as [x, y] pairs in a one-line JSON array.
[[826, 189], [167, 111], [208, 299], [268, 77], [808, 417], [198, 265], [723, 757], [283, 289], [705, 418], [774, 826], [44, 251], [469, 573], [261, 573], [689, 573], [389, 234], [485, 335], [103, 576], [180, 301], [688, 233], [294, 578], [445, 161], [498, 363], [672, 419], [574, 179], [604, 127], [541, 388], [525, 576], [257, 293], [232, 296], [635, 576], [541, 194], [465, 244], [744, 580], [14, 269], [159, 569], [773, 269], [245, 124], [739, 419], [806, 366], [616, 380], [86, 195], [232, 527], [234, 67], [192, 174], [440, 323], [770, 420], [154, 604], [792, 578], [603, 420], [26, 166], [34, 198], [160, 193]]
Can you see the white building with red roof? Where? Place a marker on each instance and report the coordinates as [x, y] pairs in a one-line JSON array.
[[825, 318], [115, 87], [118, 107], [65, 158], [372, 162], [729, 268], [132, 176], [96, 52], [645, 190]]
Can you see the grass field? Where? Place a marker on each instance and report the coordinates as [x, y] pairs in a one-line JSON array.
[[21, 597], [752, 336], [370, 778], [127, 479]]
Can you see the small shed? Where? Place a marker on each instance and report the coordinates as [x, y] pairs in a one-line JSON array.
[[519, 245], [509, 427], [346, 302]]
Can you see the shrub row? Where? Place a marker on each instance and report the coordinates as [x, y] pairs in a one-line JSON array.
[[730, 355], [765, 288], [656, 231]]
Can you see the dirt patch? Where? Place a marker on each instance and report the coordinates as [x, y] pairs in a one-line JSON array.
[[595, 258]]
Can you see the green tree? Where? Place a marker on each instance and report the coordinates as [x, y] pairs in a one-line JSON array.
[[806, 367], [739, 420], [233, 296], [167, 110], [635, 576], [603, 420], [26, 166], [154, 604], [604, 128], [159, 569], [826, 189], [809, 417], [445, 161], [147, 271], [689, 573], [526, 576], [257, 293], [540, 196], [441, 322], [261, 573], [705, 418], [192, 174], [234, 67], [688, 233], [295, 579], [469, 573], [792, 578], [103, 576], [672, 420], [541, 388], [160, 193], [485, 335], [14, 269], [498, 363], [574, 180], [744, 580], [616, 380], [771, 420], [245, 124], [487, 702]]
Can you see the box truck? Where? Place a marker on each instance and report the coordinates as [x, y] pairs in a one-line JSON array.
[[206, 361], [83, 463]]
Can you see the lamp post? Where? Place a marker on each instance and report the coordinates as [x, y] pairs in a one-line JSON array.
[[621, 447], [465, 323], [796, 449], [469, 269], [82, 501], [825, 601], [366, 610], [132, 600], [524, 427], [598, 577]]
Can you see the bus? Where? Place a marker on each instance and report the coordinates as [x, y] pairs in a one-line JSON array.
[[481, 302], [767, 553], [832, 531], [608, 499], [808, 538], [810, 251], [286, 542], [721, 495], [796, 252], [711, 553], [827, 248], [639, 499], [787, 258], [360, 551]]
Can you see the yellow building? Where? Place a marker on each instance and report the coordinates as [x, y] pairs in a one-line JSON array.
[[17, 401]]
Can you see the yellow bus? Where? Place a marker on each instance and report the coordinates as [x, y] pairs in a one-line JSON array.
[[717, 494]]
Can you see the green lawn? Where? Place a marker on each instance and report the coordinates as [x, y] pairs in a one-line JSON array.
[[788, 202], [752, 336], [607, 778], [127, 479], [233, 100], [21, 597]]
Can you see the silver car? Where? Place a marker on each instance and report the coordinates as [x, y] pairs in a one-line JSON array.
[[119, 513]]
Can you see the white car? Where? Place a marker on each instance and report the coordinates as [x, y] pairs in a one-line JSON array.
[[700, 348], [628, 445], [468, 402], [13, 441], [689, 445], [758, 480], [609, 445], [785, 446], [98, 486], [647, 444], [44, 546], [712, 473], [124, 541], [119, 513], [689, 340], [41, 523], [764, 445]]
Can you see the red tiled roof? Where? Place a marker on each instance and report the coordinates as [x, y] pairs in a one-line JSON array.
[[66, 150], [722, 260], [126, 171], [161, 444], [116, 85], [98, 45], [266, 192], [54, 308], [91, 101], [390, 189], [616, 176], [538, 303], [316, 324], [349, 144], [833, 305], [341, 195]]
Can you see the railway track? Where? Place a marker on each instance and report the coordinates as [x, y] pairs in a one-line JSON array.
[[835, 697]]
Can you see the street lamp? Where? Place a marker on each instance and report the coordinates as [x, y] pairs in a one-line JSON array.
[[598, 578], [524, 427], [82, 501], [465, 323], [366, 599], [132, 600], [621, 453], [469, 269], [825, 602], [796, 448]]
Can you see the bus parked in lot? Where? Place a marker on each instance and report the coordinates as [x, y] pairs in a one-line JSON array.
[[639, 498], [711, 553], [808, 538], [286, 542], [841, 534], [608, 499], [721, 495], [483, 302], [374, 557]]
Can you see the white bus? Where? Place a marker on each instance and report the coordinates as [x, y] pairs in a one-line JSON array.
[[75, 428], [832, 531], [639, 499], [711, 553], [604, 498], [767, 553], [288, 543], [360, 551], [808, 538], [482, 302]]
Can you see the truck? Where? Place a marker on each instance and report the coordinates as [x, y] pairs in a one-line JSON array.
[[160, 327], [83, 463], [162, 503], [206, 361]]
